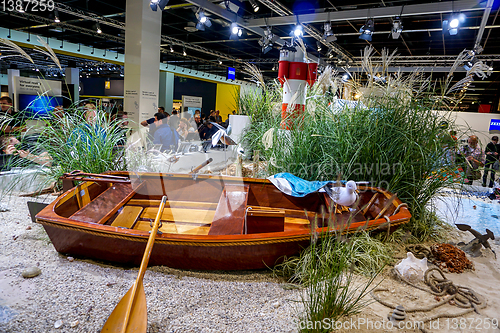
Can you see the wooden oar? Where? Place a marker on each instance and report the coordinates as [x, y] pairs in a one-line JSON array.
[[131, 314]]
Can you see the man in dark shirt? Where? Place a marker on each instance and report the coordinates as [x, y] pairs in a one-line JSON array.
[[206, 131], [151, 120], [492, 153]]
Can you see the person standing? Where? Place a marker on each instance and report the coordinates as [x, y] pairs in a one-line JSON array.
[[174, 120], [474, 157], [492, 153]]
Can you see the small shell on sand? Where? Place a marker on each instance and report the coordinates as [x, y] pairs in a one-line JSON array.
[[71, 259], [31, 272], [74, 323]]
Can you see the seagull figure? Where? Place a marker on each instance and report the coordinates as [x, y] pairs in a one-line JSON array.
[[222, 134], [344, 196]]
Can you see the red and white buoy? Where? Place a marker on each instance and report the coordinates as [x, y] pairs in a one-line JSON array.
[[294, 73]]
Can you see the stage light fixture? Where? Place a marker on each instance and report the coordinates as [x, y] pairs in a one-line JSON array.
[[397, 28], [203, 20], [220, 61], [453, 24], [56, 16], [171, 49], [298, 31], [98, 28], [328, 35], [155, 4], [318, 46], [266, 42], [236, 31], [367, 30], [255, 5], [184, 51]]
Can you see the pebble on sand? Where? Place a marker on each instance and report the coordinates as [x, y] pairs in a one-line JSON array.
[[58, 324], [74, 323], [31, 272], [71, 259]]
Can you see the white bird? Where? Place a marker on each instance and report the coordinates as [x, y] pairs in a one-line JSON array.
[[345, 196]]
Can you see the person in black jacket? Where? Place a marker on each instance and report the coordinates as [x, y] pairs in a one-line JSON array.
[[492, 153]]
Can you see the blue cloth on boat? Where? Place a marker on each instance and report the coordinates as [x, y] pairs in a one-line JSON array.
[[298, 187]]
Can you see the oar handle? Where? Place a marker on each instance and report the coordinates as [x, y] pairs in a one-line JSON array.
[[152, 236], [195, 170], [145, 260]]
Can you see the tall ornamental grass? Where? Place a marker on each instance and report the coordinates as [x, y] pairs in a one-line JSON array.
[[70, 142], [389, 136]]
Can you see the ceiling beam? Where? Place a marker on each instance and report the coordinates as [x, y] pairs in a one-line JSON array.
[[363, 14], [233, 17], [121, 25], [484, 20], [283, 11]]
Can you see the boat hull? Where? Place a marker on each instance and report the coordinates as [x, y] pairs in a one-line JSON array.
[[209, 223], [184, 254]]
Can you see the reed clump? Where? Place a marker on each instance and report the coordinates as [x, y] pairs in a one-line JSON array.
[[328, 272], [390, 135]]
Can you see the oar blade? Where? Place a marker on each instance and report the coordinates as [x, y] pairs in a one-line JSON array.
[[138, 321]]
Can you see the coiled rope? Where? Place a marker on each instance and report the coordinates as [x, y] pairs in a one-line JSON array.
[[463, 297]]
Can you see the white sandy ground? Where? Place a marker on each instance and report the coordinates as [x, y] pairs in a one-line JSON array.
[[182, 301]]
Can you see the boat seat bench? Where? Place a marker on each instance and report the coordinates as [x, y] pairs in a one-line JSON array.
[[105, 205], [186, 215], [127, 217]]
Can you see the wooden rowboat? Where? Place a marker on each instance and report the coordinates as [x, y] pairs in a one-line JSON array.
[[209, 223]]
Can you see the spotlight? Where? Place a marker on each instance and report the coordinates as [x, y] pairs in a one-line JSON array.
[[155, 4], [171, 49], [274, 67], [203, 21], [397, 28], [345, 77], [470, 63], [453, 24], [236, 31], [367, 30], [318, 46], [255, 5], [266, 42], [184, 51], [220, 61], [98, 28], [56, 16], [328, 35], [298, 31], [330, 53]]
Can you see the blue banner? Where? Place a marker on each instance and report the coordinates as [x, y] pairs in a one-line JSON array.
[[495, 125], [231, 73]]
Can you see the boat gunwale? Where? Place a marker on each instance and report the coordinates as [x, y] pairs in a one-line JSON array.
[[401, 217]]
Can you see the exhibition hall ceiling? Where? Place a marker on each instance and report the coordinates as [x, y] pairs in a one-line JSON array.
[[422, 43]]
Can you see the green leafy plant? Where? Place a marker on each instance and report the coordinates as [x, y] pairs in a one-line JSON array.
[[72, 142]]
